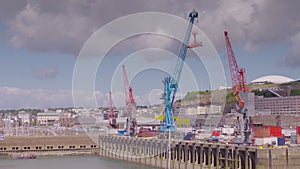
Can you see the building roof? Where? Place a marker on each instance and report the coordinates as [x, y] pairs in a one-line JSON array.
[[48, 114], [277, 79]]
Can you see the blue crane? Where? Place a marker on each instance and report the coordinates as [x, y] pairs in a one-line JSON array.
[[171, 83]]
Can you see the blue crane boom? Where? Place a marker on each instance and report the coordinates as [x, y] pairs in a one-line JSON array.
[[171, 83]]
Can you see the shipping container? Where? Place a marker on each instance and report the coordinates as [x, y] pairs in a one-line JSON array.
[[266, 140], [280, 141], [216, 133], [288, 132], [261, 132], [275, 131], [298, 129]]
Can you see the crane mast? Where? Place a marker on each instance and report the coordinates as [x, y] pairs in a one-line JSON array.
[[111, 114], [171, 83], [131, 123]]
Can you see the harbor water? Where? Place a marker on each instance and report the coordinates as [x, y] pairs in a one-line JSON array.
[[68, 162]]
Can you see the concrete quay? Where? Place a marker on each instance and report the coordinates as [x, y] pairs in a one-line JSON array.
[[197, 155]]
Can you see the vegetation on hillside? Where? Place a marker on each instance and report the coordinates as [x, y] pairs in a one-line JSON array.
[[264, 93], [230, 99], [295, 92], [203, 97], [15, 112], [194, 95]]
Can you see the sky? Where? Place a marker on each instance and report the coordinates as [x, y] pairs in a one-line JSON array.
[[41, 41]]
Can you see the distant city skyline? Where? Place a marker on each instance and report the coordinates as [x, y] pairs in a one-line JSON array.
[[41, 40]]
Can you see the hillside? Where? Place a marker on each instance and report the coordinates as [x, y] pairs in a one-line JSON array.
[[203, 98]]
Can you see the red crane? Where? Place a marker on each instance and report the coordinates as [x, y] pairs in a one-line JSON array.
[[237, 74], [238, 85], [131, 124], [128, 91], [111, 114]]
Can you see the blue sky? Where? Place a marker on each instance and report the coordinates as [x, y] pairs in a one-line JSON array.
[[40, 42]]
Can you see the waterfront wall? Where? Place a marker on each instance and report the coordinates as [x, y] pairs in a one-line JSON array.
[[183, 155], [154, 152], [278, 158], [196, 155]]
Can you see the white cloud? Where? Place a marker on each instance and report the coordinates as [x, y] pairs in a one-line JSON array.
[[64, 25], [39, 98]]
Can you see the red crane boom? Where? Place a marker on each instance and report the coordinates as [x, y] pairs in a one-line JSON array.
[[127, 90], [131, 125], [237, 74]]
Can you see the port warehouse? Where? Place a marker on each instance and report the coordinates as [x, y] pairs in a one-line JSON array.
[[46, 143]]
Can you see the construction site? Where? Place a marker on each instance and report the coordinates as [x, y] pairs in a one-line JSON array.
[[246, 137], [243, 124]]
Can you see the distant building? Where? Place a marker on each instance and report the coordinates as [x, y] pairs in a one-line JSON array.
[[278, 105], [105, 114], [276, 79], [212, 109], [48, 117], [25, 117], [66, 119]]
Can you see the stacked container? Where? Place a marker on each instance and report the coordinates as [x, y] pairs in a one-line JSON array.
[[298, 134], [280, 141], [216, 133], [261, 132], [269, 135], [276, 131]]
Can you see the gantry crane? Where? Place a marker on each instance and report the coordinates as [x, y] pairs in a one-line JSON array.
[[238, 86], [112, 122], [171, 83], [131, 123]]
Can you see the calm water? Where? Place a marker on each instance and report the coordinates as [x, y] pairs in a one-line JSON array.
[[68, 162]]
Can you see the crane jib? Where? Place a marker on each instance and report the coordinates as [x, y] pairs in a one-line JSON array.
[[171, 83], [182, 54]]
